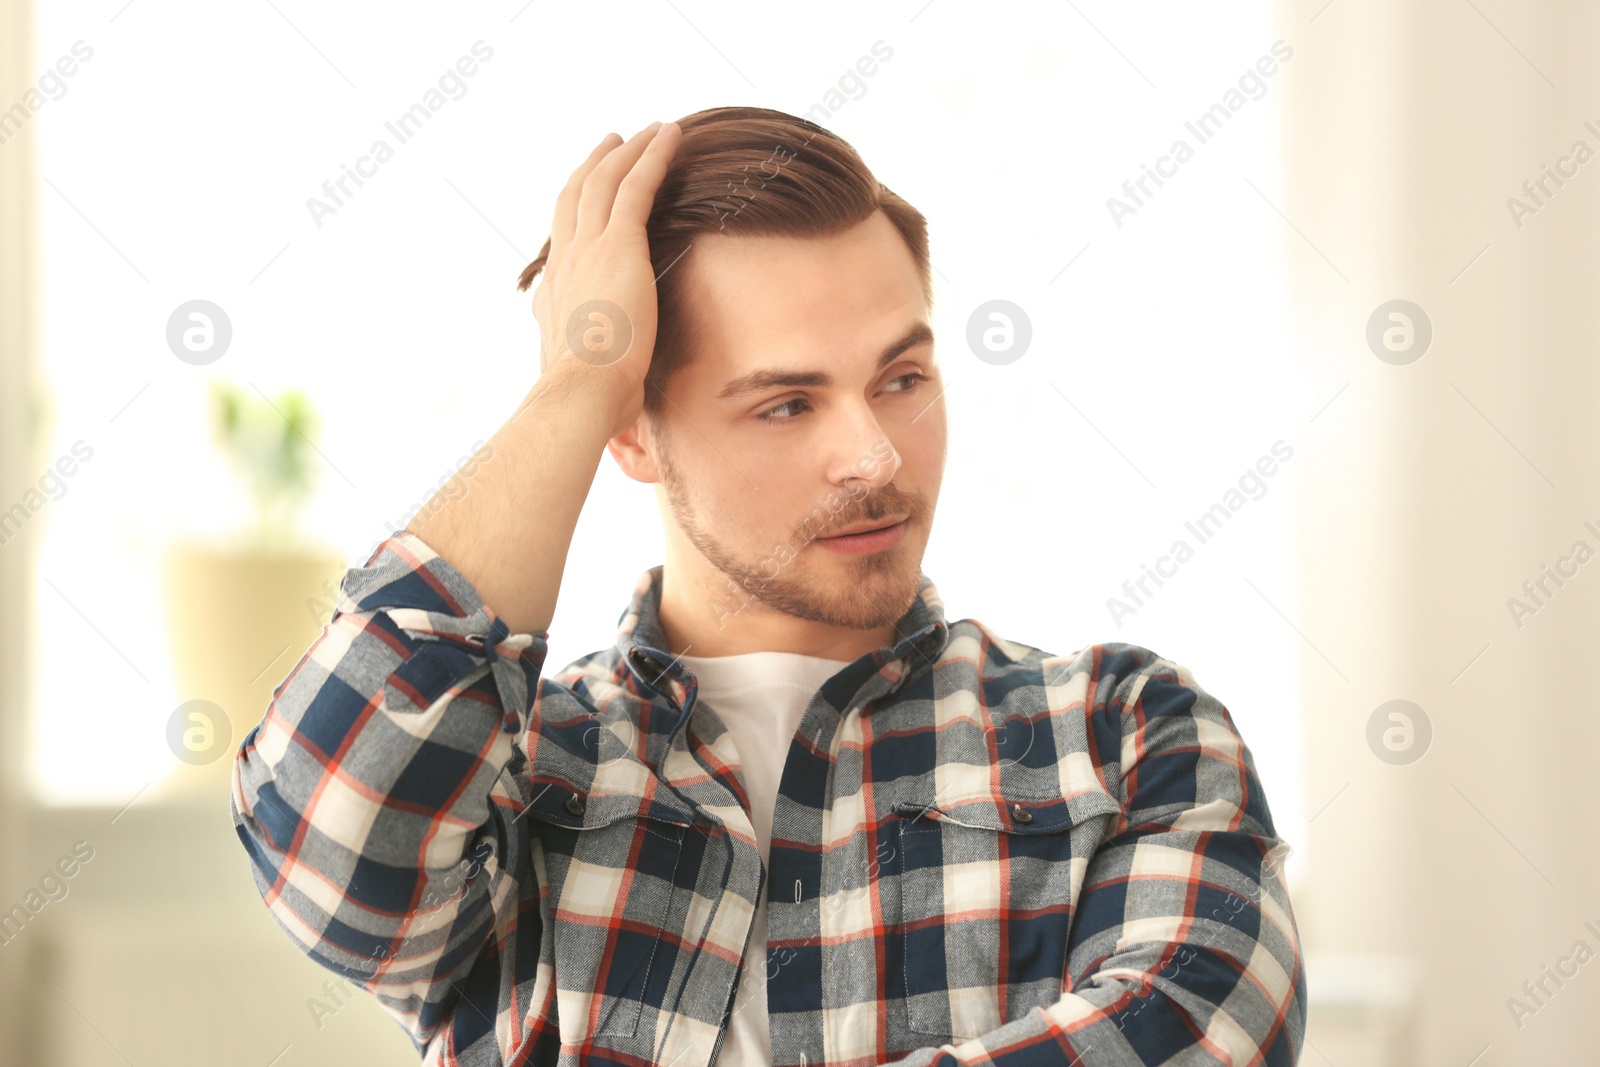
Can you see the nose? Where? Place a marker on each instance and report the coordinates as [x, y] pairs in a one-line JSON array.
[[867, 459]]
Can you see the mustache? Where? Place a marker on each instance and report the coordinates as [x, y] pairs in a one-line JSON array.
[[824, 521]]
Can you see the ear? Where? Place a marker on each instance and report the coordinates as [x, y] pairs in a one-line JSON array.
[[634, 452]]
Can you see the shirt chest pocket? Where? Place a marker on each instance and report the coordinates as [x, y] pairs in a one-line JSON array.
[[988, 891], [612, 862]]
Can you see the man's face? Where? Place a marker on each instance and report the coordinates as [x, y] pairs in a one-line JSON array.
[[803, 412]]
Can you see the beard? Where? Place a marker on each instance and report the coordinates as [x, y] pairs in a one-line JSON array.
[[872, 590]]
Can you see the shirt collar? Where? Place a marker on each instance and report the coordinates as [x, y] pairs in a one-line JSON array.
[[921, 635]]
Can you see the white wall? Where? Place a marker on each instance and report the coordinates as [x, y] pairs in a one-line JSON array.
[[1438, 488], [18, 356]]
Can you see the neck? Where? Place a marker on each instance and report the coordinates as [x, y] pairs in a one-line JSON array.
[[700, 617]]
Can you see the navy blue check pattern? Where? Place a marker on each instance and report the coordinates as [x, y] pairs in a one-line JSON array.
[[982, 853]]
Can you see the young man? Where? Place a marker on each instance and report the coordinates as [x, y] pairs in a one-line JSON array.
[[794, 816]]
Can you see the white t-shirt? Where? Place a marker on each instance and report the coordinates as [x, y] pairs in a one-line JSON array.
[[761, 696]]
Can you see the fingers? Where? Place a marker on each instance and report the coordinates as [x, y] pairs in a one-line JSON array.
[[600, 187], [566, 216], [637, 193]]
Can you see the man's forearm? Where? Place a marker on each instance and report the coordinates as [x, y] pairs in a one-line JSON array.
[[509, 532]]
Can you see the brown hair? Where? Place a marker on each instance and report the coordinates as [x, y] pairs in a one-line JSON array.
[[754, 172]]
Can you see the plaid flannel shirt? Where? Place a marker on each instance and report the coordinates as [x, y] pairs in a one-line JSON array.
[[981, 853]]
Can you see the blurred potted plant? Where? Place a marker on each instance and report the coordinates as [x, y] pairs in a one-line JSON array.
[[269, 444], [241, 613]]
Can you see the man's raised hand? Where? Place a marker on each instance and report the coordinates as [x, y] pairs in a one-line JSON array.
[[596, 302]]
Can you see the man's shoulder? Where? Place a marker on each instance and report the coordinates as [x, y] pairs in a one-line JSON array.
[[1111, 688], [1109, 705], [1112, 670]]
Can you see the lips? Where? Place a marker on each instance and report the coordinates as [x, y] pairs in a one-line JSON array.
[[875, 524]]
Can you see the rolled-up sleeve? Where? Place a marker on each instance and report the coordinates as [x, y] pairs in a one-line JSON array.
[[378, 797], [1183, 948]]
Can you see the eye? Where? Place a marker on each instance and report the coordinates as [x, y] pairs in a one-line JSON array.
[[917, 378], [768, 416], [912, 378]]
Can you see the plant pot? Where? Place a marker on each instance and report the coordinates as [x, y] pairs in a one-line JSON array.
[[239, 621]]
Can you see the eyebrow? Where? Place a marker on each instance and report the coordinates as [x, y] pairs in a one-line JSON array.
[[769, 378]]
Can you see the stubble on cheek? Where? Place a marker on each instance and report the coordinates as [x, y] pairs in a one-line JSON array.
[[863, 592]]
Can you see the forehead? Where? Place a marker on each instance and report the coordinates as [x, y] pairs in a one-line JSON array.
[[753, 298]]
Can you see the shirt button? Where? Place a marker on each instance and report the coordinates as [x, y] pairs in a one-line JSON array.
[[1021, 814], [575, 804]]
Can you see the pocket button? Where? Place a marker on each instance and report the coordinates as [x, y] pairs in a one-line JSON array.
[[574, 804], [1021, 814]]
